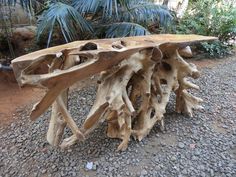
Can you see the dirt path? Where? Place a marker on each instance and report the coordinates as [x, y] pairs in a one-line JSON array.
[[14, 98]]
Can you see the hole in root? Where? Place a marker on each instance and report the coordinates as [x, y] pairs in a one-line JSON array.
[[89, 46]]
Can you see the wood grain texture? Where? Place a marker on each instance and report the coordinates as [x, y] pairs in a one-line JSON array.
[[137, 76]]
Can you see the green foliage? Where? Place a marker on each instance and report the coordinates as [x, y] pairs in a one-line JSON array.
[[211, 18], [64, 16], [216, 48], [123, 29], [101, 18], [146, 13]]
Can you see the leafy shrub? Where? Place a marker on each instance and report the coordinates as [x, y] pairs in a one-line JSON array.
[[211, 18], [216, 48]]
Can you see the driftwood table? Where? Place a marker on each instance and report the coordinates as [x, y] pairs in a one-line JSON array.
[[137, 76]]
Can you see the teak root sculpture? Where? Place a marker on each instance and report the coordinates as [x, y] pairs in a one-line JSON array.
[[137, 76]]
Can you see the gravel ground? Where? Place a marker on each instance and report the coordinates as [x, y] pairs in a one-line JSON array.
[[204, 145]]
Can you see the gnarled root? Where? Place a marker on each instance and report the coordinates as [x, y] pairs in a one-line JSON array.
[[138, 75], [134, 94], [113, 90], [131, 97], [60, 117], [186, 102]]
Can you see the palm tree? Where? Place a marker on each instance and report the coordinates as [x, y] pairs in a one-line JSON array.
[[86, 19]]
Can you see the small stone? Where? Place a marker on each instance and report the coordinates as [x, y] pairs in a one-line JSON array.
[[89, 165], [201, 167], [181, 145], [94, 167], [144, 172], [194, 158], [117, 165], [44, 171], [72, 164], [110, 169], [173, 158], [63, 173], [203, 174], [73, 174], [197, 152], [212, 172], [185, 172], [128, 162], [192, 146]]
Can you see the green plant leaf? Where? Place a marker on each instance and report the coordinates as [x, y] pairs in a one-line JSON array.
[[146, 13], [109, 8], [124, 29], [66, 17], [86, 6]]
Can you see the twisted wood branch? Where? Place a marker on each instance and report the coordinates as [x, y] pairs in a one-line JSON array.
[[137, 76]]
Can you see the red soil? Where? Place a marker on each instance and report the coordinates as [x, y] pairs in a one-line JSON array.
[[12, 97]]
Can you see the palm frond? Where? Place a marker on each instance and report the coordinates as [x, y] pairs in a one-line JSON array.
[[130, 3], [109, 8], [28, 6], [86, 6], [146, 13], [124, 29], [8, 2], [66, 17]]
